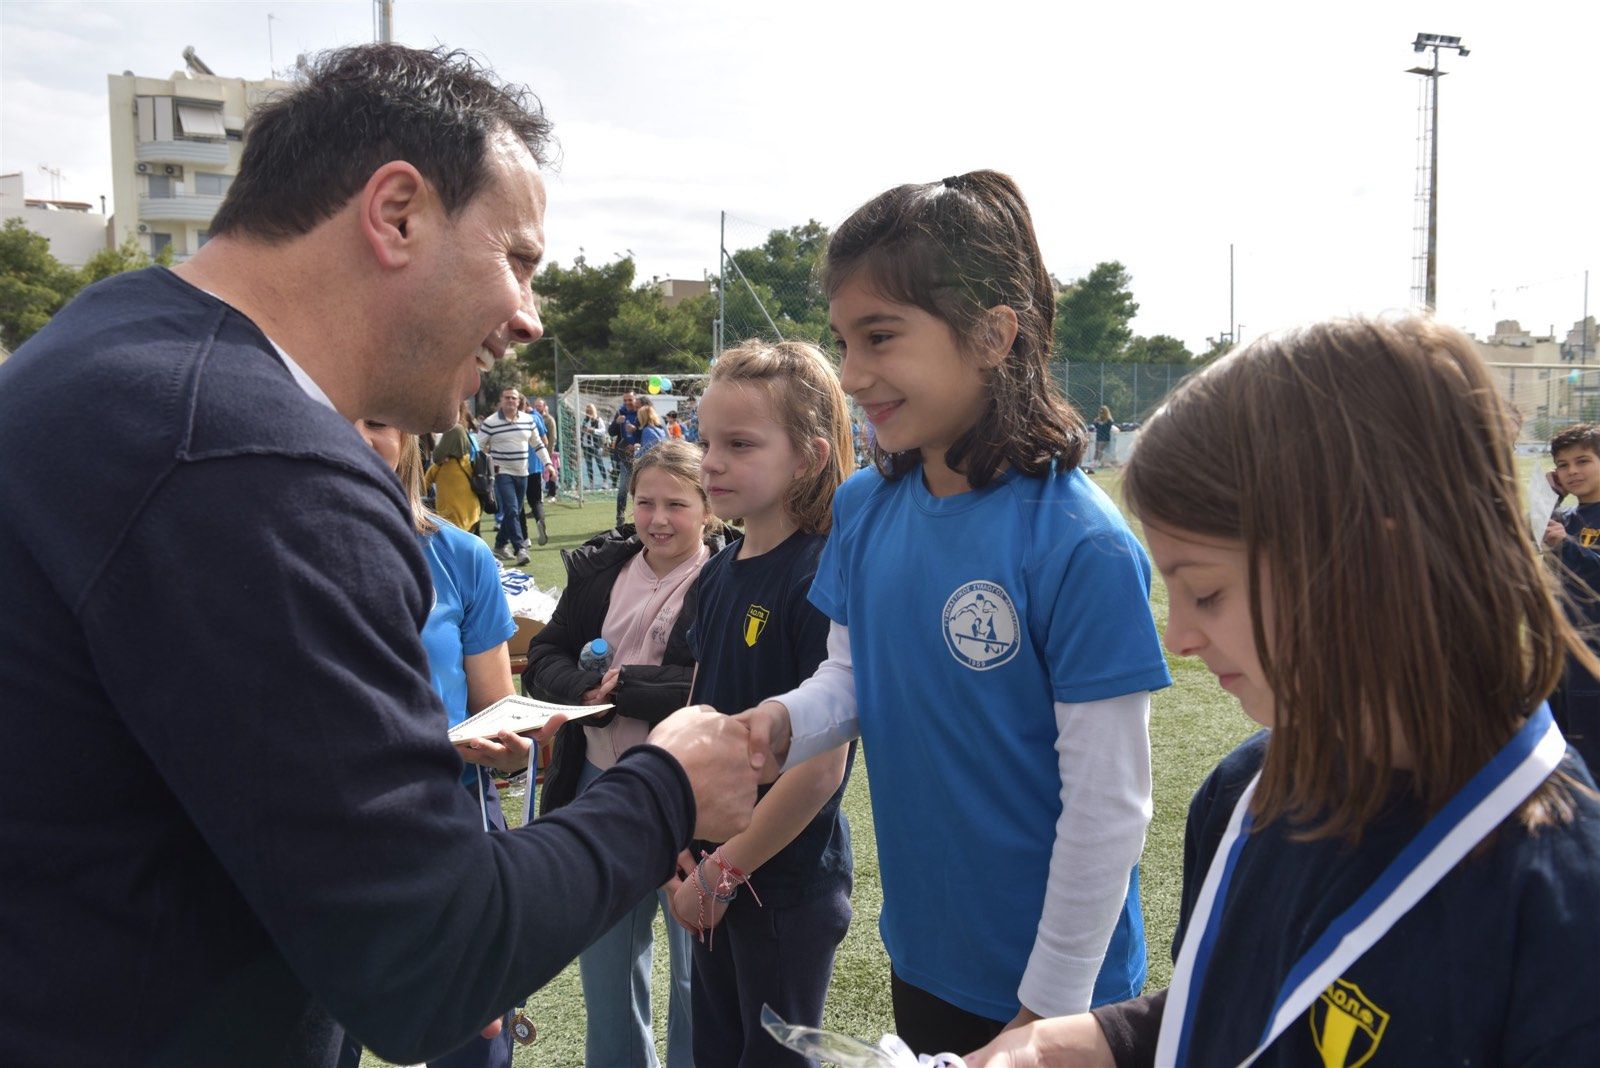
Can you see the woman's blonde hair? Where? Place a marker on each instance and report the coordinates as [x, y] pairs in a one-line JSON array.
[[410, 471], [648, 416], [1402, 613], [680, 460], [808, 403]]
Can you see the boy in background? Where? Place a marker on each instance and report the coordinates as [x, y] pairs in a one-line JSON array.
[[1576, 536]]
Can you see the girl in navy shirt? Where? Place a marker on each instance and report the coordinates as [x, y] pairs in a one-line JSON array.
[[776, 432], [1403, 868]]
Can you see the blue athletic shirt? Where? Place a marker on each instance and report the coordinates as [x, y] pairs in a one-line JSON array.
[[469, 613], [536, 465], [969, 617]]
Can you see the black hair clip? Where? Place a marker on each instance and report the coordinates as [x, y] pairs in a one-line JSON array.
[[953, 182]]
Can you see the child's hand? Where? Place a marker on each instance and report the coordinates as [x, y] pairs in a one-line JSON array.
[[689, 905], [1554, 478], [598, 694], [1554, 535], [1064, 1040], [769, 737], [506, 751], [686, 904]]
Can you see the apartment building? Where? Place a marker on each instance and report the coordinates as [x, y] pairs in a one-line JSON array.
[[175, 146]]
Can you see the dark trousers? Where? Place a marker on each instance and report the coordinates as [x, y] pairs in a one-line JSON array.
[[781, 957], [624, 474], [509, 493], [931, 1025], [596, 464]]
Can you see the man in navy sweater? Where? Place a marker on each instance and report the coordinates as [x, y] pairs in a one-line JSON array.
[[267, 842]]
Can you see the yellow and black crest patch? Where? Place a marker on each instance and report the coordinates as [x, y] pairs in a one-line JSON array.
[[1588, 536], [755, 621], [1346, 1026]]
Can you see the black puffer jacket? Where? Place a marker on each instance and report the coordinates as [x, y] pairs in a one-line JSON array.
[[645, 692]]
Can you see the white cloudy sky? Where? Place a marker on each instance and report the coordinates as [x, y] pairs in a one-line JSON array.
[[1152, 133]]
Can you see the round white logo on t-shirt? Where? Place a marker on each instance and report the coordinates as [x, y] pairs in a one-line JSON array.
[[980, 625]]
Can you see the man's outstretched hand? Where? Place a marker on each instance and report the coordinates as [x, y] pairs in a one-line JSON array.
[[715, 753]]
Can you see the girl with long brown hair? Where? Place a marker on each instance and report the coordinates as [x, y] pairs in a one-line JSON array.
[[1404, 866], [991, 638]]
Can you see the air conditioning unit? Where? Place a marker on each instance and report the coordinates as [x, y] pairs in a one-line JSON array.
[[141, 168], [172, 170], [144, 228]]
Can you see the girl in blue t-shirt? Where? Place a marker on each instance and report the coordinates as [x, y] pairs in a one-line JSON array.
[[465, 638], [991, 642], [1404, 867], [775, 426]]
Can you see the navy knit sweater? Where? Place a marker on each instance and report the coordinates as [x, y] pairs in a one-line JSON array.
[[230, 814]]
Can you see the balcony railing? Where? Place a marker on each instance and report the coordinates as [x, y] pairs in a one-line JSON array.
[[187, 208], [209, 153]]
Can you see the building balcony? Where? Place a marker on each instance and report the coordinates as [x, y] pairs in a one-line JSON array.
[[207, 153], [186, 208]]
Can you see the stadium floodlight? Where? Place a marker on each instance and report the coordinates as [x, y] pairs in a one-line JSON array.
[[1436, 42]]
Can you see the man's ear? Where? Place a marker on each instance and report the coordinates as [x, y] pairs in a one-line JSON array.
[[999, 334], [394, 206]]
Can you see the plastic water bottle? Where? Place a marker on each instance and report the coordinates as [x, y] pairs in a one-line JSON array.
[[596, 656]]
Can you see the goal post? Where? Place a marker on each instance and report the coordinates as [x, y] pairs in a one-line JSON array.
[[587, 467]]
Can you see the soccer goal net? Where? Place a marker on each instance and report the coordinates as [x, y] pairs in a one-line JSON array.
[[588, 466]]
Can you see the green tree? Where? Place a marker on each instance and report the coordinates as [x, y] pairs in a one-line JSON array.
[[1219, 347], [607, 325], [647, 336], [1161, 348], [784, 272], [1093, 314], [33, 284], [787, 263], [582, 300], [128, 256]]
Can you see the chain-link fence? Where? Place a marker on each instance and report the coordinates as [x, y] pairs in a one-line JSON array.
[[1131, 390], [1548, 397], [770, 284]]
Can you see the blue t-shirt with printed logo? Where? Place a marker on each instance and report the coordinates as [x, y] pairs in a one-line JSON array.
[[970, 617]]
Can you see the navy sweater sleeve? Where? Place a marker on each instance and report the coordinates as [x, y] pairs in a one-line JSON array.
[[328, 793]]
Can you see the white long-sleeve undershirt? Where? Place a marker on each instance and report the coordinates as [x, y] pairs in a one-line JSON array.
[[1103, 754]]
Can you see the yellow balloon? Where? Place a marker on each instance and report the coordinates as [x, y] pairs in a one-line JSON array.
[[655, 387]]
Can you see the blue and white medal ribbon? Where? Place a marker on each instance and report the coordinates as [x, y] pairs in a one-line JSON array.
[[1494, 793]]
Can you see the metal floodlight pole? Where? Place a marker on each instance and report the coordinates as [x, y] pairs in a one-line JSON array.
[[1434, 41], [722, 286], [1233, 327]]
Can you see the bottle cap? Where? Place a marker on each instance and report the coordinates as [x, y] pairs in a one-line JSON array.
[[599, 647]]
